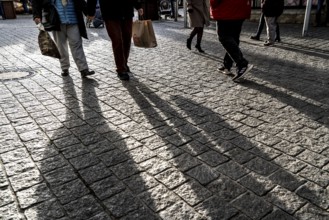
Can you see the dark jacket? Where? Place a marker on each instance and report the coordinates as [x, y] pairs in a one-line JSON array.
[[80, 9], [114, 9], [272, 8], [230, 10]]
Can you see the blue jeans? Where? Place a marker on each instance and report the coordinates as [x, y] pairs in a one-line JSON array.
[[318, 11]]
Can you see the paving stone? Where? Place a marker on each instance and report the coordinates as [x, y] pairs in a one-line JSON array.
[[261, 166], [180, 210], [216, 208], [33, 195], [141, 154], [256, 209], [6, 196], [240, 155], [155, 165], [25, 179], [126, 169], [279, 214], [288, 148], [213, 158], [141, 182], [168, 152], [52, 163], [171, 178], [107, 187], [204, 174], [14, 155], [287, 179], [113, 157], [158, 198], [10, 212], [66, 141], [95, 173], [311, 212], [60, 176], [19, 166], [84, 161], [83, 208], [184, 162], [192, 192], [49, 209], [232, 169], [313, 158], [258, 184], [285, 199], [316, 175], [194, 148], [314, 193], [141, 213], [101, 147], [290, 163], [70, 191]]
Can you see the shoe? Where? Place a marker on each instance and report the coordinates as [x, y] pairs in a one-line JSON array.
[[123, 76], [242, 71], [268, 43], [188, 43], [65, 72], [179, 16], [198, 47], [278, 39], [224, 70], [254, 37], [86, 72]]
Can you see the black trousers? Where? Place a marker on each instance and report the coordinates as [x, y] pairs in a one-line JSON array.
[[229, 36]]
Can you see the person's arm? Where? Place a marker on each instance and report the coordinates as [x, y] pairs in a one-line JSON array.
[[37, 10], [189, 6], [138, 7]]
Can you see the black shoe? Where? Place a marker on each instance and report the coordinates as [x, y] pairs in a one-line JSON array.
[[86, 72], [188, 43], [241, 71], [65, 72], [198, 47], [278, 39], [123, 76], [254, 37], [224, 69]]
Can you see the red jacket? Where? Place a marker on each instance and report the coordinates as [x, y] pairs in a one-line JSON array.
[[230, 9]]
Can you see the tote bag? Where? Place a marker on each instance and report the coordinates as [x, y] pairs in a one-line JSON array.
[[143, 34]]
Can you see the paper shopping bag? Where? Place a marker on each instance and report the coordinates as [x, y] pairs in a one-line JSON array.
[[143, 34], [47, 45]]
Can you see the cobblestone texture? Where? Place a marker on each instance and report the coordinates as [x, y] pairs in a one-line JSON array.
[[180, 140]]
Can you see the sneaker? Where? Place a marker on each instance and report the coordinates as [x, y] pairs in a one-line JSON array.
[[65, 72], [123, 76], [224, 70], [268, 43], [242, 71], [254, 37], [86, 72]]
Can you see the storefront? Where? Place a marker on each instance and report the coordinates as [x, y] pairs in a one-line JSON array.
[[288, 3]]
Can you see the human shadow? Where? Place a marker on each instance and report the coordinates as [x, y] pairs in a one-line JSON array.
[[91, 172], [220, 170]]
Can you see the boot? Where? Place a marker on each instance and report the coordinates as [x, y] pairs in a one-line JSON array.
[[188, 43], [198, 47]]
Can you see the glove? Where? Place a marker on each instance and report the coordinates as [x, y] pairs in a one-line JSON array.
[[190, 10]]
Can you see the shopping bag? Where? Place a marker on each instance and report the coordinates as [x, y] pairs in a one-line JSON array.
[[47, 45], [143, 34]]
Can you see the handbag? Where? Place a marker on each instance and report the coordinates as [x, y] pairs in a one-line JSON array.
[[143, 34], [47, 45]]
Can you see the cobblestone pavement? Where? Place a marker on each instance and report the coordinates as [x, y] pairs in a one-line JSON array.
[[180, 140]]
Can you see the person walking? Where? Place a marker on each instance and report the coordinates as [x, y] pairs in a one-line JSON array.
[[260, 29], [318, 20], [271, 9], [68, 31], [199, 16], [118, 17], [25, 6], [229, 18]]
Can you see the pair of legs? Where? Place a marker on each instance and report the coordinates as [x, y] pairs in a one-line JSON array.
[[70, 36], [260, 29], [120, 32], [229, 36], [271, 27], [319, 10], [198, 31]]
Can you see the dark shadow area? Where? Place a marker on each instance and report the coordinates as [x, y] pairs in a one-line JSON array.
[[210, 155]]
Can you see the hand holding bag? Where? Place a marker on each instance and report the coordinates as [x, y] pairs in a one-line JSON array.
[[143, 34], [47, 45]]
